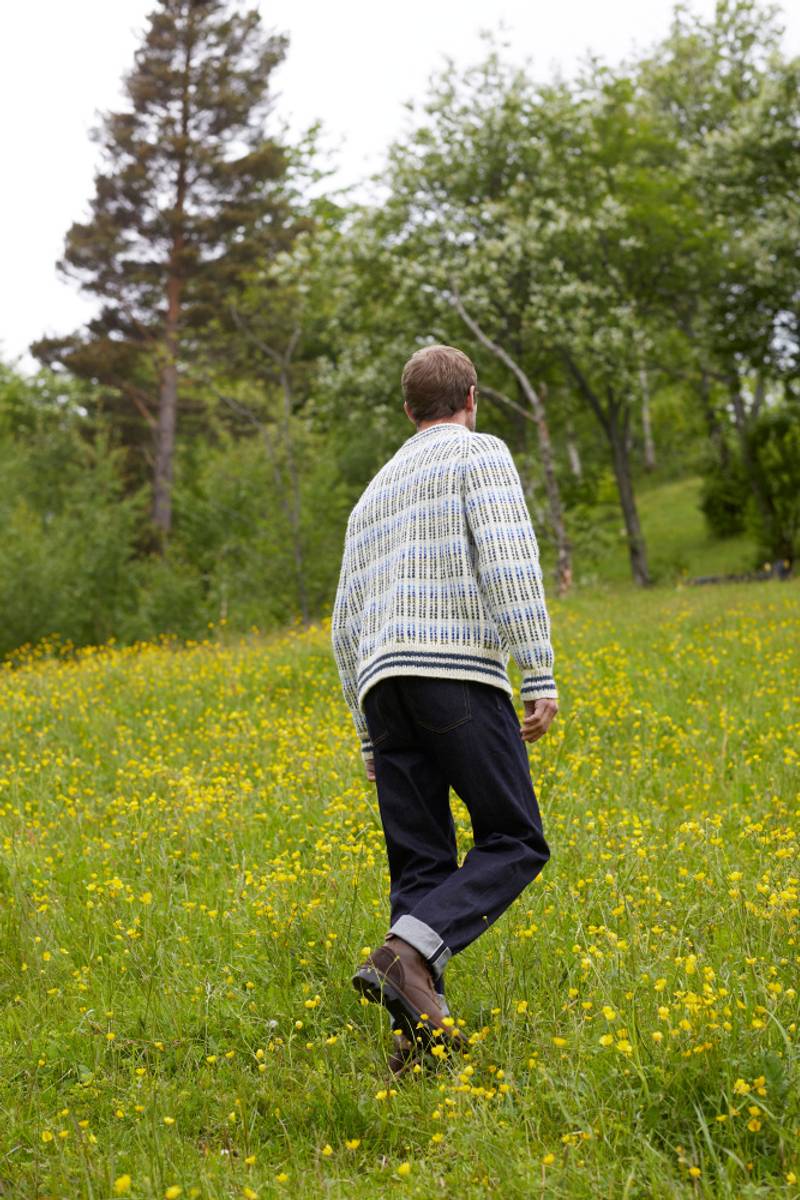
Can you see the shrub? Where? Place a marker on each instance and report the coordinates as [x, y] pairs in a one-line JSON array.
[[774, 442], [723, 496], [65, 555]]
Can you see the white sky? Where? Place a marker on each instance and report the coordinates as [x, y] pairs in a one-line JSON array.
[[353, 64]]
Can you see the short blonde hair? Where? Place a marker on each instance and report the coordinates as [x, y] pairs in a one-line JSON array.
[[435, 382]]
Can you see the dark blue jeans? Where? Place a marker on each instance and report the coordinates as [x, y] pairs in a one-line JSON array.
[[431, 734]]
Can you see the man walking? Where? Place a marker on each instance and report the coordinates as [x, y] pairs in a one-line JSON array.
[[440, 581]]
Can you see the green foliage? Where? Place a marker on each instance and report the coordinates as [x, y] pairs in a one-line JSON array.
[[172, 599], [724, 495], [624, 232], [236, 525], [678, 433], [71, 563], [774, 442], [68, 542], [592, 534], [70, 526], [729, 503]]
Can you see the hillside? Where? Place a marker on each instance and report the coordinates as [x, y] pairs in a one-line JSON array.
[[678, 542], [193, 863]]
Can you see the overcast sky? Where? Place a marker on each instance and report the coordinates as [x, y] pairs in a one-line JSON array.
[[353, 64]]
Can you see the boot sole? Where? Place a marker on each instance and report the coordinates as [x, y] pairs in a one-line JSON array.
[[407, 1016]]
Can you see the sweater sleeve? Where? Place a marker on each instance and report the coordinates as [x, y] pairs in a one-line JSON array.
[[507, 562], [344, 637]]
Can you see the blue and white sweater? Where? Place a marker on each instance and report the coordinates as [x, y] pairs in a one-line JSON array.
[[440, 573]]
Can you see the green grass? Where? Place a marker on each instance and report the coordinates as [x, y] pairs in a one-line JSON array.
[[677, 539], [192, 862]]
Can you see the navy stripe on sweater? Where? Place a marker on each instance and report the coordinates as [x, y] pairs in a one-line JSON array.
[[420, 657]]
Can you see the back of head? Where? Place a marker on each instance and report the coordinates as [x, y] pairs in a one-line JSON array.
[[436, 381]]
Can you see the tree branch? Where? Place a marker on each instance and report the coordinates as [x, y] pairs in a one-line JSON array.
[[586, 391], [502, 398], [499, 352]]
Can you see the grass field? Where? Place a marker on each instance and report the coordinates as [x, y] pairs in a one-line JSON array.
[[193, 862]]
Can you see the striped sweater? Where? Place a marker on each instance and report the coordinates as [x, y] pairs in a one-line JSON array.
[[440, 573]]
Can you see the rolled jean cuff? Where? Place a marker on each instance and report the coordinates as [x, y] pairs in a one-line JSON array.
[[425, 940]]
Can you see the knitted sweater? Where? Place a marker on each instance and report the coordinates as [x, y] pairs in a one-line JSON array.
[[440, 573]]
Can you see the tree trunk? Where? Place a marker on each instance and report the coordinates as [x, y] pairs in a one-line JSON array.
[[715, 432], [168, 381], [556, 511], [617, 432], [573, 453], [647, 429], [165, 438], [563, 546]]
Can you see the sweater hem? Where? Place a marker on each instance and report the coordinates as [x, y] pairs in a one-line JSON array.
[[436, 664]]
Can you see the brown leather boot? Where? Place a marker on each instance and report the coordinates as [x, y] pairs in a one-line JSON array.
[[397, 976]]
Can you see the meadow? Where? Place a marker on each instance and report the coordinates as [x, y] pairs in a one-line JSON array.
[[192, 864]]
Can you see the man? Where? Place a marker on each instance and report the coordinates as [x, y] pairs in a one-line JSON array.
[[440, 581]]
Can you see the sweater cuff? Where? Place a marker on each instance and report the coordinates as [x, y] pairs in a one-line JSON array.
[[367, 751], [364, 736], [538, 687]]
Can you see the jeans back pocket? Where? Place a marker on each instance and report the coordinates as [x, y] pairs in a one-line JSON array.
[[437, 704]]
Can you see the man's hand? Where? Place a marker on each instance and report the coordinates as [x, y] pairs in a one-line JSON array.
[[370, 765], [537, 719]]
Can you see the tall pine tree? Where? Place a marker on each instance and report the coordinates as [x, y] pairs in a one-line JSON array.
[[190, 195]]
